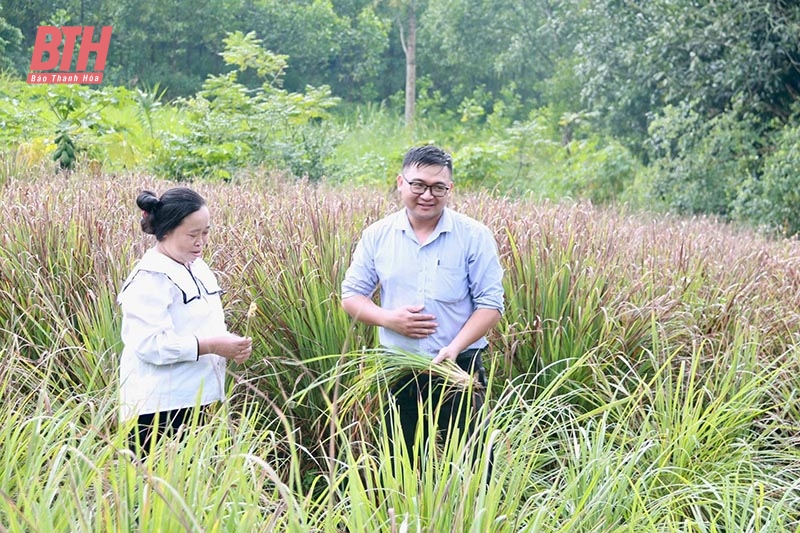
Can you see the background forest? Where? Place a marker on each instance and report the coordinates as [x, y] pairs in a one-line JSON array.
[[667, 104]]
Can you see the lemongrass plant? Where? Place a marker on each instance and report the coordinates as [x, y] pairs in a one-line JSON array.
[[357, 384], [644, 375], [369, 372], [555, 469]]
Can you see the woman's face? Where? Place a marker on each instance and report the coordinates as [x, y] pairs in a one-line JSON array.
[[185, 243]]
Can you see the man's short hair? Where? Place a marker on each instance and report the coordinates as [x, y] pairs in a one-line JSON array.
[[428, 156]]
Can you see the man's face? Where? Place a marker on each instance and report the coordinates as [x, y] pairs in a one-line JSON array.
[[425, 206]]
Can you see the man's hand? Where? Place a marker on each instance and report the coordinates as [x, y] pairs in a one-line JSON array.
[[445, 353], [411, 322]]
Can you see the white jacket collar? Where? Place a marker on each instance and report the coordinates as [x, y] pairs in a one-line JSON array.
[[190, 282]]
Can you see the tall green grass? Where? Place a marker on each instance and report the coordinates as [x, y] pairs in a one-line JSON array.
[[643, 377]]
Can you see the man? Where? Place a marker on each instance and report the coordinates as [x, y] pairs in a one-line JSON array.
[[440, 284]]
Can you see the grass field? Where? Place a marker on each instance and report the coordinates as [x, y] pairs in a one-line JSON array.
[[644, 377]]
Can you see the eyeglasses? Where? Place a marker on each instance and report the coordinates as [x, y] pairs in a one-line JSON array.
[[417, 187]]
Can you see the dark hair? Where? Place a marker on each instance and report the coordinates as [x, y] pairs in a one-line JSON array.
[[160, 216], [427, 156]]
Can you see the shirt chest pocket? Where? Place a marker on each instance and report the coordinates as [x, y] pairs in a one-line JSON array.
[[449, 283]]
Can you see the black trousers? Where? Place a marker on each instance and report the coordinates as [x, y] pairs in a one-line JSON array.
[[152, 427], [452, 407]]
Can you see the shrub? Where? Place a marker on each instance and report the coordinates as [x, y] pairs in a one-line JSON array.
[[772, 201], [699, 163], [227, 126]]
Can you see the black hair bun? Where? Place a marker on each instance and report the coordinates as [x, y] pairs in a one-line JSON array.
[[147, 202]]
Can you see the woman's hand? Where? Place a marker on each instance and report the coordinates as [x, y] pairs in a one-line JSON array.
[[231, 347]]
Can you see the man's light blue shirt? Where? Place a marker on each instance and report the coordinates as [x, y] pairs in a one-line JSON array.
[[455, 272]]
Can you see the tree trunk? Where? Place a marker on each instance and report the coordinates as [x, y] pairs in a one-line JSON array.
[[411, 64]]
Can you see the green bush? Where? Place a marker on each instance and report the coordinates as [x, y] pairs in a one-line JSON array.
[[227, 126], [773, 200], [699, 163]]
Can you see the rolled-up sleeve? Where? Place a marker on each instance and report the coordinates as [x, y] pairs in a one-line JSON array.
[[361, 278], [147, 327], [486, 273]]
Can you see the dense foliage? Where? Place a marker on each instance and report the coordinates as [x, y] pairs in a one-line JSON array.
[[670, 104]]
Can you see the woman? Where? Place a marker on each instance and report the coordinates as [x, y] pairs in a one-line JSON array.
[[175, 339]]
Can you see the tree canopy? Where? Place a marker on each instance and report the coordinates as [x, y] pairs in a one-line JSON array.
[[704, 94]]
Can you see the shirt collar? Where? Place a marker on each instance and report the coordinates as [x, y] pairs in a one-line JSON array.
[[188, 281], [444, 225]]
